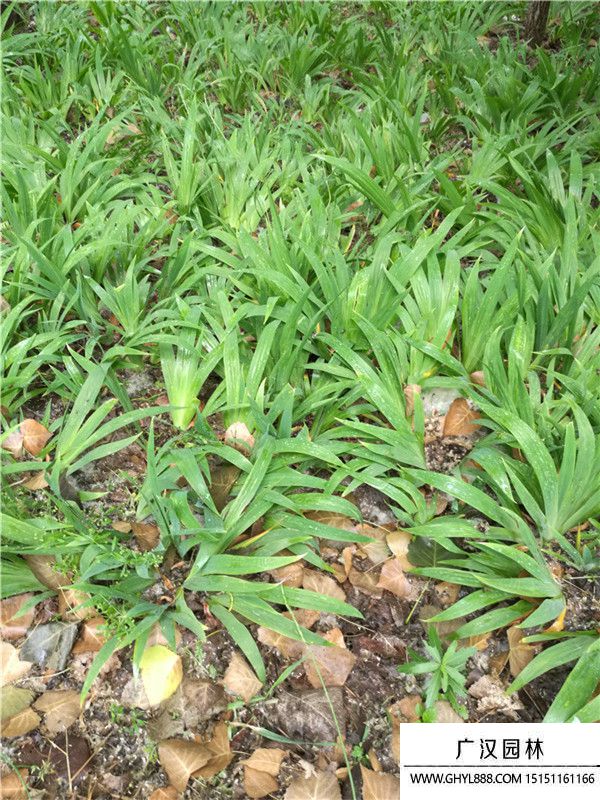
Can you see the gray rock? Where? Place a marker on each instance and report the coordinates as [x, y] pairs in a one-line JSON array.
[[50, 645], [313, 715]]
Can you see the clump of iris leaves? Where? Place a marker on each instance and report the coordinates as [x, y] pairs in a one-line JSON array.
[[296, 211]]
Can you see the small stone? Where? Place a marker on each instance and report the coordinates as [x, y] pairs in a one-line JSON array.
[[50, 645]]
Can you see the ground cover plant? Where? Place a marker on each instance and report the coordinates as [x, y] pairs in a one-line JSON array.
[[300, 414]]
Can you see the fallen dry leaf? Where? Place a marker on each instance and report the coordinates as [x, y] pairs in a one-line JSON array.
[[261, 771], [37, 481], [447, 593], [23, 722], [558, 624], [266, 759], [445, 713], [13, 444], [72, 605], [519, 653], [365, 582], [180, 759], [238, 436], [322, 584], [35, 436], [393, 579], [91, 638], [11, 667], [320, 786], [156, 636], [460, 419], [289, 648], [395, 720], [409, 396], [378, 550], [12, 626], [328, 666], [44, 569], [258, 784], [61, 707], [164, 793], [379, 785], [146, 535], [13, 700], [202, 699], [13, 786], [291, 575], [240, 679], [220, 750], [161, 672], [493, 699], [222, 479], [398, 542]]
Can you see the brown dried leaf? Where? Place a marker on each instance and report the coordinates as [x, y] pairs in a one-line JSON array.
[[320, 786], [202, 699], [289, 648], [240, 678], [220, 750], [91, 638], [180, 759], [493, 699], [292, 575], [222, 479], [238, 436], [44, 569], [13, 700], [13, 444], [11, 667], [71, 605], [322, 584], [37, 481], [379, 785], [333, 519], [156, 636], [62, 708], [394, 580], [447, 593], [164, 793], [409, 397], [35, 436], [520, 653], [445, 713], [11, 626], [378, 550], [398, 542], [459, 420], [258, 784], [328, 666], [23, 722], [261, 770], [14, 785], [478, 377], [121, 526], [266, 759], [365, 582], [146, 535]]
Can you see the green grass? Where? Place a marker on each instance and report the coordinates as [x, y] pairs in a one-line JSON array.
[[291, 213]]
